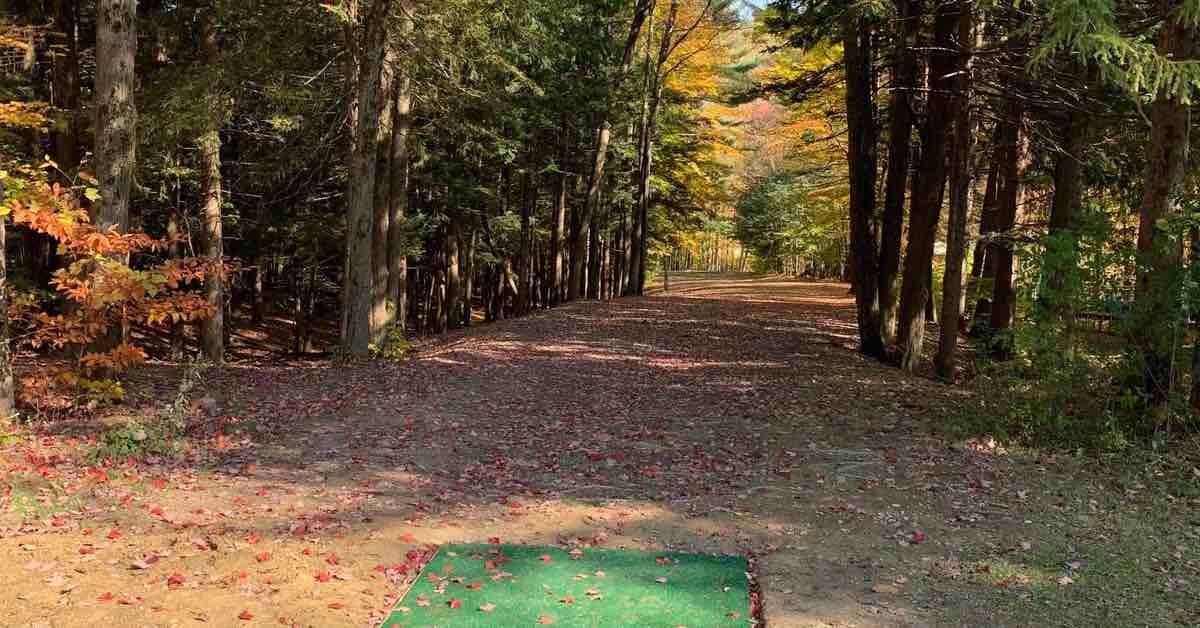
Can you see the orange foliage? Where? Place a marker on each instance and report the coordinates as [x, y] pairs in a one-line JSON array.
[[98, 292]]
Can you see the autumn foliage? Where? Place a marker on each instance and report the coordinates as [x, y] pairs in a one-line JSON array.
[[99, 297]]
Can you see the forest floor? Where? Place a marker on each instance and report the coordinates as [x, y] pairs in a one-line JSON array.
[[730, 416]]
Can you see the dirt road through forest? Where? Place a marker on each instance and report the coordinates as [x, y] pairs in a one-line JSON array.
[[731, 415]]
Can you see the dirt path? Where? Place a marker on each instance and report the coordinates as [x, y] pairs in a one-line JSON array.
[[729, 416]]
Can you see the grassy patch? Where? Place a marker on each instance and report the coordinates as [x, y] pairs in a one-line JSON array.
[[468, 586], [1128, 562], [33, 499], [133, 440]]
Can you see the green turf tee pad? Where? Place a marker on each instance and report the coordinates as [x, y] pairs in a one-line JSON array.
[[469, 586]]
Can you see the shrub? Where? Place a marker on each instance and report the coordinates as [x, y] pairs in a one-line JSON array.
[[98, 295], [394, 347]]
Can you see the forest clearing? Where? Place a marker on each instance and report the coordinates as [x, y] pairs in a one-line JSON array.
[[651, 313], [737, 421]]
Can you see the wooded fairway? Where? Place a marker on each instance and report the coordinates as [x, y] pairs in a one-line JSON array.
[[479, 586], [892, 305]]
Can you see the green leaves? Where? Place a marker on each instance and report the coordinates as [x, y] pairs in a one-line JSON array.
[[1098, 30]]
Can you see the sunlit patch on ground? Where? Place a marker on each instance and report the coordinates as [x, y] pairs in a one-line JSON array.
[[310, 494]]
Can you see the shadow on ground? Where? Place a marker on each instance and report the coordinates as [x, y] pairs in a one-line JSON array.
[[731, 415]]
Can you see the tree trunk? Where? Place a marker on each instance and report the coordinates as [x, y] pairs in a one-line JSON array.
[[65, 100], [1156, 319], [929, 191], [1195, 272], [961, 181], [931, 302], [986, 215], [8, 402], [453, 273], [575, 286], [858, 55], [557, 222], [382, 313], [116, 110], [644, 154], [360, 193], [1004, 295], [904, 58], [259, 305], [1061, 247], [528, 202], [398, 182], [176, 252], [623, 253], [593, 278], [468, 279], [212, 329]]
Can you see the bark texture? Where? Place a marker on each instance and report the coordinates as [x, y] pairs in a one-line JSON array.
[[212, 329], [858, 57], [961, 182], [116, 111], [1153, 329], [929, 191], [904, 60], [360, 193]]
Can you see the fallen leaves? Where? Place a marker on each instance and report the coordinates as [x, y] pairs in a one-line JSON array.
[[245, 615], [145, 562], [640, 403], [174, 581]]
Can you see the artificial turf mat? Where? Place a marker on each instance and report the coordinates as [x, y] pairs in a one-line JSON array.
[[469, 586]]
